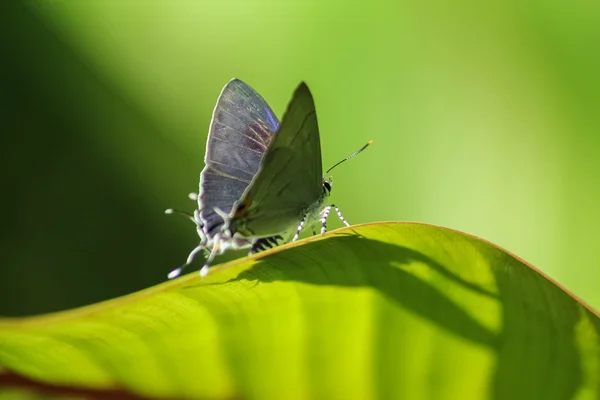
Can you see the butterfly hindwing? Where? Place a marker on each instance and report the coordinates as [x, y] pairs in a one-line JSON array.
[[242, 128]]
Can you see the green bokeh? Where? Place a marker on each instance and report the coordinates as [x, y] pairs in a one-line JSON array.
[[484, 119]]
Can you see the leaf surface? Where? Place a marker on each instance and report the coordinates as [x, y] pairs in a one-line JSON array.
[[386, 310]]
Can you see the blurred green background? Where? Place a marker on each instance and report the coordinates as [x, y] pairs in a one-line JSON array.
[[485, 118]]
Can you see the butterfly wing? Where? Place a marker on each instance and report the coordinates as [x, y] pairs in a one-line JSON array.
[[242, 127], [289, 181]]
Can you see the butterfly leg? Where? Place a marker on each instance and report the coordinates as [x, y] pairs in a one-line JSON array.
[[325, 213], [300, 227], [337, 210], [213, 253]]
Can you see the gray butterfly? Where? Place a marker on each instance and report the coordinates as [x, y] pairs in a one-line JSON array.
[[262, 181]]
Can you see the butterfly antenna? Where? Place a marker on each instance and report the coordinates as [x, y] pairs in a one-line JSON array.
[[357, 152]]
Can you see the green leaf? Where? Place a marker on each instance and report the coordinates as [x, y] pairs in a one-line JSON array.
[[390, 310]]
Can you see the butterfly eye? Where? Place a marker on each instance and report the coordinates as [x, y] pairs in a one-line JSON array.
[[326, 187]]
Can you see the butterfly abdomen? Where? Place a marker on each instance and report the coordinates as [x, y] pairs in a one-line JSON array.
[[265, 243]]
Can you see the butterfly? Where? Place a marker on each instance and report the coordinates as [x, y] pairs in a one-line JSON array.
[[263, 180]]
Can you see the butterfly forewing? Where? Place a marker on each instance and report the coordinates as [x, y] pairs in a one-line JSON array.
[[242, 128], [289, 180]]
